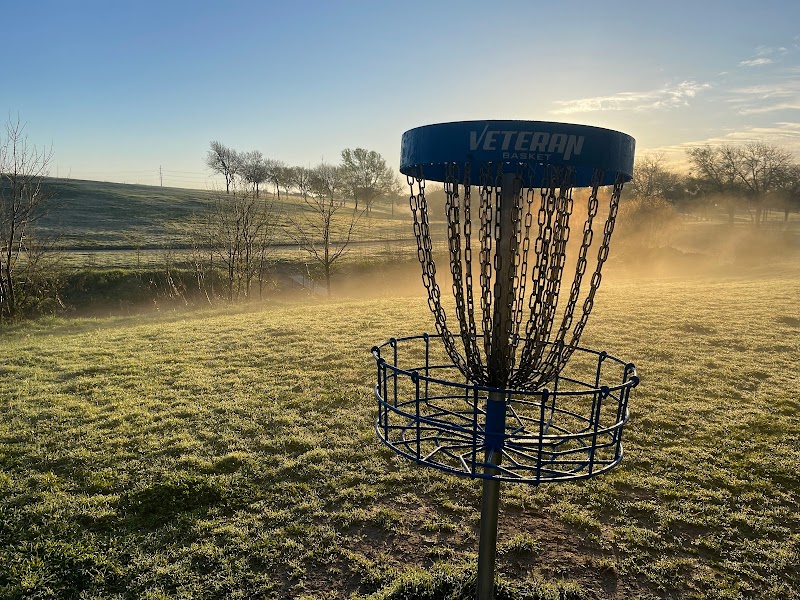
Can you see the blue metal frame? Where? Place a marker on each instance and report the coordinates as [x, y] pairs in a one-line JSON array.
[[527, 147], [572, 431]]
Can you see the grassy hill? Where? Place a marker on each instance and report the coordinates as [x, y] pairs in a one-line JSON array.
[[232, 454], [123, 225], [102, 215], [94, 214]]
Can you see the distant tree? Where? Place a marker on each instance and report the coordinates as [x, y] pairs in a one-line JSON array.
[[324, 229], [715, 174], [787, 197], [235, 236], [302, 180], [278, 174], [254, 169], [367, 177], [436, 199], [287, 179], [754, 171], [763, 169], [225, 161], [653, 179], [24, 200]]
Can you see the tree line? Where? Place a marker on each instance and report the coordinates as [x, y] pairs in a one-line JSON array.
[[362, 176], [755, 177], [239, 227]]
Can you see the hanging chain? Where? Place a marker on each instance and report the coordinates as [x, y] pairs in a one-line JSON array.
[[534, 341], [602, 257], [485, 256], [538, 263], [419, 211], [557, 349], [476, 366], [458, 264], [524, 243]]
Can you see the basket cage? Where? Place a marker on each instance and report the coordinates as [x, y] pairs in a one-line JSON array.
[[430, 413]]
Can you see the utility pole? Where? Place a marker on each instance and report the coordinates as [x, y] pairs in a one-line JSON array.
[[160, 176]]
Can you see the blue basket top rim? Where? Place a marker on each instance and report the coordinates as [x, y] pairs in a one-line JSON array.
[[527, 147]]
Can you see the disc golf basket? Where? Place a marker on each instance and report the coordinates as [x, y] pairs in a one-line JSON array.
[[503, 391]]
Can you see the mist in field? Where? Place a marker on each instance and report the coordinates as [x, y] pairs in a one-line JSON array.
[[130, 249], [649, 242]]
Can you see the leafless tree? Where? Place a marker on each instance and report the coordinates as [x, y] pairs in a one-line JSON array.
[[302, 180], [235, 237], [24, 201], [652, 178], [763, 169], [792, 191], [225, 161], [787, 197], [367, 177], [324, 229], [715, 174], [278, 175], [254, 169], [754, 170]]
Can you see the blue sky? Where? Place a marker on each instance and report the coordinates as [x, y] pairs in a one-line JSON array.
[[121, 88]]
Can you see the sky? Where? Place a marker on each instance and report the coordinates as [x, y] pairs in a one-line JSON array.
[[121, 90]]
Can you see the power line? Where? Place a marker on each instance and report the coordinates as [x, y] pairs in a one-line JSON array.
[[190, 172]]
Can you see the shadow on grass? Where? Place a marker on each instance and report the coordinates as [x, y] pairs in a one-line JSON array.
[[460, 584], [178, 493]]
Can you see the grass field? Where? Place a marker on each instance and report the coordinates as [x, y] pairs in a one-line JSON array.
[[231, 454], [114, 224]]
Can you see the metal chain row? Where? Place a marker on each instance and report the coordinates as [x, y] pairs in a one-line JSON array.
[[419, 212], [537, 262], [545, 368]]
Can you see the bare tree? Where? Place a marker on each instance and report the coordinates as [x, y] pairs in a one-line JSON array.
[[715, 173], [23, 202], [367, 177], [302, 180], [277, 174], [254, 169], [235, 236], [653, 179], [762, 169], [324, 229], [287, 179], [753, 170], [787, 197], [225, 161]]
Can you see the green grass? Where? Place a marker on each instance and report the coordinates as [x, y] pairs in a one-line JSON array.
[[231, 454], [113, 225], [122, 224], [94, 214]]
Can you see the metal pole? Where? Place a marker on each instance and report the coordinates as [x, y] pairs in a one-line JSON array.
[[499, 364], [490, 507]]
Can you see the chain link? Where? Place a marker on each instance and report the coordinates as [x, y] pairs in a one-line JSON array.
[[419, 211], [538, 263]]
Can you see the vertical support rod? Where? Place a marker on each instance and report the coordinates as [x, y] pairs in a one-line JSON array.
[[490, 503], [499, 362], [499, 369]]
